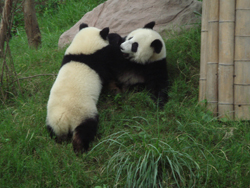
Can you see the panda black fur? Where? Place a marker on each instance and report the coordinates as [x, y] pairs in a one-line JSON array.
[[71, 108], [145, 62]]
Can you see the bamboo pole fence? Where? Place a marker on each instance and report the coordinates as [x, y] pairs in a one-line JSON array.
[[225, 58], [203, 61]]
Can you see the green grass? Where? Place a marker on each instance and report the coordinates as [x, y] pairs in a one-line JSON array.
[[138, 145]]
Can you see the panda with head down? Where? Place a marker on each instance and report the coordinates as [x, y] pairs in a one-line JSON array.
[[144, 63], [71, 108]]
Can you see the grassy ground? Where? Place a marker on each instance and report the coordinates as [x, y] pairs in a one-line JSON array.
[[137, 144]]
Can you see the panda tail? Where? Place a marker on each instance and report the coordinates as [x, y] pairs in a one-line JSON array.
[[84, 134]]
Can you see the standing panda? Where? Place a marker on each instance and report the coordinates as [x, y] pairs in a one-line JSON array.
[[71, 108], [145, 62]]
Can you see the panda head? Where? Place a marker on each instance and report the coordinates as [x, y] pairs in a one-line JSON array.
[[88, 40], [144, 45]]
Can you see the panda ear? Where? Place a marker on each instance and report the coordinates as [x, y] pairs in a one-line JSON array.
[[115, 39], [83, 25], [149, 25], [104, 33], [157, 45]]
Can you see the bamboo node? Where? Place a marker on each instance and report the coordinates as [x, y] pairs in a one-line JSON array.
[[242, 104], [242, 9], [226, 64], [242, 35], [242, 84], [212, 62], [213, 21], [212, 101], [227, 21], [225, 103], [242, 60]]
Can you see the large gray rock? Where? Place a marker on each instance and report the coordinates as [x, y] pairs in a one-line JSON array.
[[123, 16]]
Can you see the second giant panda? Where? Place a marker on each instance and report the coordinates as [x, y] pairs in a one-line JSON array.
[[71, 108], [145, 62]]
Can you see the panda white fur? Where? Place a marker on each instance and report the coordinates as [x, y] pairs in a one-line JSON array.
[[71, 108], [145, 62]]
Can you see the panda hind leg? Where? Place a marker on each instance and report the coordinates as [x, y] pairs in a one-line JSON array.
[[84, 134]]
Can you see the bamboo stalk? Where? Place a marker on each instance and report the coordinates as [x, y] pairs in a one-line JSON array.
[[203, 61], [212, 65], [242, 60], [226, 58]]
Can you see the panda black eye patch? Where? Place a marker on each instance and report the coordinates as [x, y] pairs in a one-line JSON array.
[[134, 47]]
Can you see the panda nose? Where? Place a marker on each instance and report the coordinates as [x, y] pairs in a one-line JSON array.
[[121, 48]]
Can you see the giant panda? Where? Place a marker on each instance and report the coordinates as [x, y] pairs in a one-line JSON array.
[[71, 108], [144, 63]]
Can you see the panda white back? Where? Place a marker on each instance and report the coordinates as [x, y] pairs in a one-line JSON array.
[[71, 108], [72, 98]]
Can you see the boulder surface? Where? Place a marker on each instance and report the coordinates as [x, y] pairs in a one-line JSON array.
[[124, 16]]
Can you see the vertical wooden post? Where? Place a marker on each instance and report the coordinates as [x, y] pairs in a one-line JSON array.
[[213, 50], [5, 21], [226, 58], [242, 60], [31, 24], [203, 61]]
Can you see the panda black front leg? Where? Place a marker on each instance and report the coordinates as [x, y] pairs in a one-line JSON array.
[[162, 98], [158, 93]]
